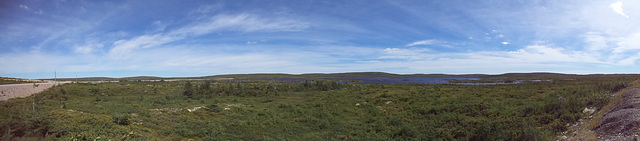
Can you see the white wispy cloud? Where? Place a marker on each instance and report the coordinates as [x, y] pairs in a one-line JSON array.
[[544, 53], [122, 48], [629, 61], [87, 49], [239, 22], [422, 42], [254, 42], [617, 7], [628, 43], [401, 60], [530, 58], [160, 25], [31, 10], [403, 53], [24, 7], [576, 36], [595, 41]]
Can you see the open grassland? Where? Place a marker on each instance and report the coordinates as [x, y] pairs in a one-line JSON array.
[[312, 110]]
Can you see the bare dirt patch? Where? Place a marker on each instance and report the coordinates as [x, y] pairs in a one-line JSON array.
[[10, 91]]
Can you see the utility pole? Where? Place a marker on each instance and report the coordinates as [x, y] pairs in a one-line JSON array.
[[55, 78], [33, 104]]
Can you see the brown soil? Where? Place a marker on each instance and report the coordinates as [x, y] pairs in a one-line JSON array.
[[23, 90]]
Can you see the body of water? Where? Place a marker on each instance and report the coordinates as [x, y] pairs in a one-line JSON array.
[[430, 80], [434, 80]]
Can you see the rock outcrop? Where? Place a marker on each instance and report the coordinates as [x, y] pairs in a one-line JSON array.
[[623, 121]]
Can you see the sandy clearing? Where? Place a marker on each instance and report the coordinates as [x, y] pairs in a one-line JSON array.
[[10, 91]]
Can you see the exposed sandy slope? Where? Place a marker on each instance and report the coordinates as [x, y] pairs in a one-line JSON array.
[[23, 90]]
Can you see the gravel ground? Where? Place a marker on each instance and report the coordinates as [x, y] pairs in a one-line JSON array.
[[23, 90], [623, 121]]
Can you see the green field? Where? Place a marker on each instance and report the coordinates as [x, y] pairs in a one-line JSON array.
[[312, 110]]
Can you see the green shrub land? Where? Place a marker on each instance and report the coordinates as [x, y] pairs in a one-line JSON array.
[[312, 110]]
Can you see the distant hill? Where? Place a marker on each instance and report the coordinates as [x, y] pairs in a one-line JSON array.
[[85, 79], [143, 78], [537, 75]]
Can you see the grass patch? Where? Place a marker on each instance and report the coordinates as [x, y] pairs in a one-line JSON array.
[[312, 110]]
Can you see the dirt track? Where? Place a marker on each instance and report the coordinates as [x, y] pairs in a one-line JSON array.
[[23, 90]]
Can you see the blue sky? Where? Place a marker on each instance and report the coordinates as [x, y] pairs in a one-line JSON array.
[[209, 37]]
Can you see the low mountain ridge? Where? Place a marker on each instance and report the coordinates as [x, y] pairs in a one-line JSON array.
[[539, 75]]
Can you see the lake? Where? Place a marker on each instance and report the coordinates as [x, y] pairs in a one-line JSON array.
[[429, 80]]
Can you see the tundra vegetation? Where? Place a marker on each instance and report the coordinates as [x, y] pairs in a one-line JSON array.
[[316, 109]]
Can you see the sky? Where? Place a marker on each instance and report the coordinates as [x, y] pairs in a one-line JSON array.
[[171, 38]]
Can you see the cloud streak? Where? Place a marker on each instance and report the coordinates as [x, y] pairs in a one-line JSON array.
[[306, 37], [222, 22], [24, 7], [422, 42]]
